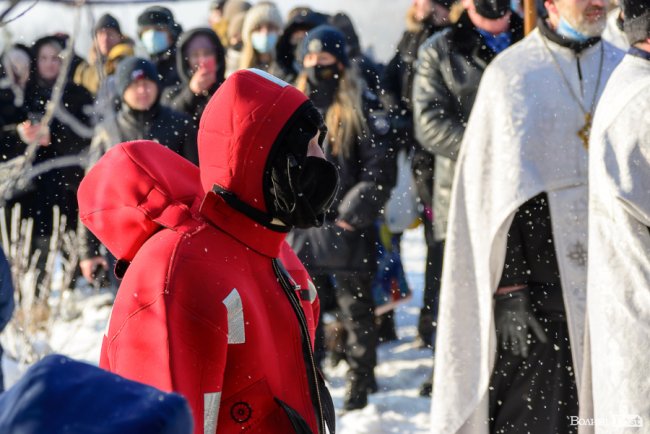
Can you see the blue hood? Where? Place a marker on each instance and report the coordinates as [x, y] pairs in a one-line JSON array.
[[59, 395]]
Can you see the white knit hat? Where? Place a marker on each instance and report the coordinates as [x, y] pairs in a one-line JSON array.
[[265, 12]]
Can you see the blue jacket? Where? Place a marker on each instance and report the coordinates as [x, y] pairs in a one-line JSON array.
[[6, 292], [59, 395]]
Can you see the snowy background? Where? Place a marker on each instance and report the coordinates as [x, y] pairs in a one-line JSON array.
[[397, 407], [379, 23], [402, 367]]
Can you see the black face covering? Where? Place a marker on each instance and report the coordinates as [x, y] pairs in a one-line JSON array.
[[304, 193], [318, 74], [323, 82]]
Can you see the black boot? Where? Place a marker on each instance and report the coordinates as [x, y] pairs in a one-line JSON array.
[[356, 395], [386, 327], [426, 388], [426, 330]]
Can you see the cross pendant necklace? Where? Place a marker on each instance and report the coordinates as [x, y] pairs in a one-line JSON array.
[[584, 132]]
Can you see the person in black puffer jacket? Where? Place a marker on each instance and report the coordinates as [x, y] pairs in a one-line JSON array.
[[141, 116], [68, 134], [201, 66], [341, 256]]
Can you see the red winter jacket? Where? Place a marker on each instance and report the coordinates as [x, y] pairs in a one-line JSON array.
[[204, 308]]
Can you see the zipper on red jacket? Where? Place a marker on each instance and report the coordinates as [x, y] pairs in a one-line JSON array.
[[289, 289]]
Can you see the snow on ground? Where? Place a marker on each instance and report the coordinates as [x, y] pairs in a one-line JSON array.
[[395, 408]]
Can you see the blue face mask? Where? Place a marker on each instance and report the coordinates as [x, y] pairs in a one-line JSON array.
[[264, 42], [565, 29], [154, 41]]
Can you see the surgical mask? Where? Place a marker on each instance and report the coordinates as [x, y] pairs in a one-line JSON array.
[[155, 41], [565, 29], [264, 42]]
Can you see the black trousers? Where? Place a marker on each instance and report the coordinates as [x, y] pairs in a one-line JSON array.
[[535, 394], [356, 311], [431, 294]]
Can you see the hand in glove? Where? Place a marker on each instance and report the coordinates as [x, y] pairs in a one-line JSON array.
[[514, 320]]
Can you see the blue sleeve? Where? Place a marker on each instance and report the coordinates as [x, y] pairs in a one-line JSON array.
[[6, 292]]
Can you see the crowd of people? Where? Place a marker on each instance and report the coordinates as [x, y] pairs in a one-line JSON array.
[[296, 134]]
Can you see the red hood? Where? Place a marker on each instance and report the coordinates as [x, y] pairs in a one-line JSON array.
[[237, 130], [135, 189]]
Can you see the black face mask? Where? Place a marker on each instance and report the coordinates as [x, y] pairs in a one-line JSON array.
[[323, 83], [319, 74], [303, 193]]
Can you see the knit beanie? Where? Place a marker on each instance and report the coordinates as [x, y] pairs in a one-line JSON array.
[[107, 21], [132, 69], [327, 39], [156, 16], [259, 14]]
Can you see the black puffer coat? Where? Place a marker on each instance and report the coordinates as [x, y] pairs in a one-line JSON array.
[[367, 176], [166, 66], [179, 96], [175, 130], [12, 113], [59, 186], [448, 72]]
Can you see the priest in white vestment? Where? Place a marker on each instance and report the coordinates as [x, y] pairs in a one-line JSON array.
[[618, 290], [512, 307]]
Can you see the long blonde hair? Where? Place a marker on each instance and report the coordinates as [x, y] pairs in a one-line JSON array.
[[344, 118]]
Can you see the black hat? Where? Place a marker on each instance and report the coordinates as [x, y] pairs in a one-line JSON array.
[[328, 39], [156, 16], [637, 20], [107, 21], [132, 69], [492, 9], [446, 3]]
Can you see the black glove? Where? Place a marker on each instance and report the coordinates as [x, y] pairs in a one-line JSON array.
[[513, 318]]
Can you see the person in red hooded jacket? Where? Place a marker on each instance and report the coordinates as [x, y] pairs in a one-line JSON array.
[[213, 303]]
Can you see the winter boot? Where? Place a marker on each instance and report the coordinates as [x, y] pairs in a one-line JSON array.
[[426, 330], [426, 389], [385, 325], [356, 395]]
